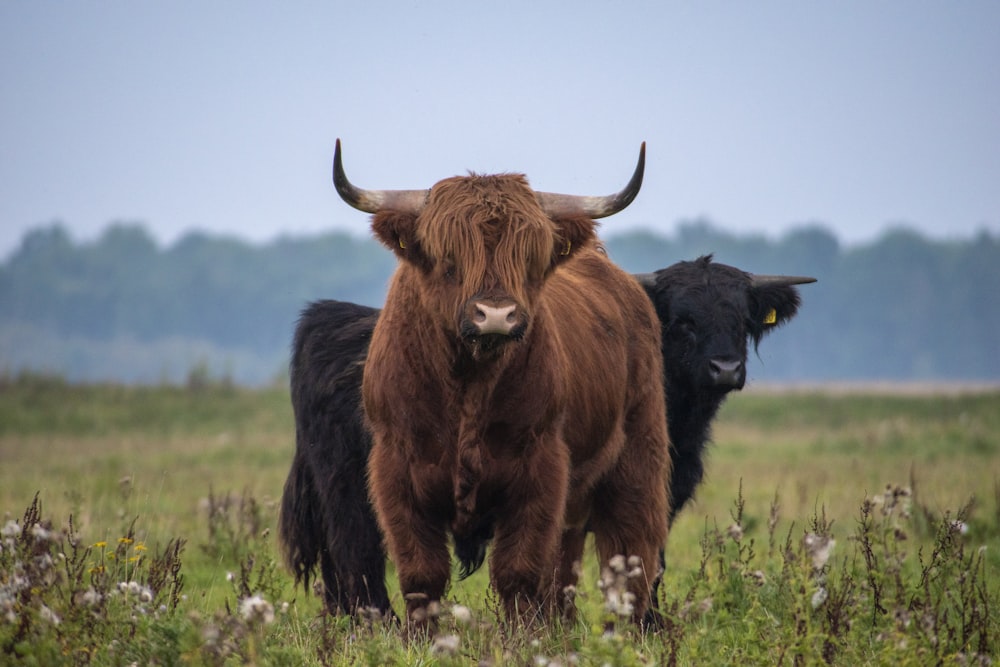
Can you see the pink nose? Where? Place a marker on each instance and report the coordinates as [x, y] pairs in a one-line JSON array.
[[490, 320]]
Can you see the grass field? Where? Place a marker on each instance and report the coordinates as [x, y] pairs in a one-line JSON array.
[[847, 527]]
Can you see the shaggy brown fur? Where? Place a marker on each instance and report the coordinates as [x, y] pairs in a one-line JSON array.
[[528, 438]]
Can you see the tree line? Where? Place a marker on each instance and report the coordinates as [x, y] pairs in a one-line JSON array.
[[903, 307]]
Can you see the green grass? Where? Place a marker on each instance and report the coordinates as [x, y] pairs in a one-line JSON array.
[[906, 486]]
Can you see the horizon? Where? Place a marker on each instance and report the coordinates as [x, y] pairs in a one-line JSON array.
[[365, 234]]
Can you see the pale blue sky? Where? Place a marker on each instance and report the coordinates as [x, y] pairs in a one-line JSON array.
[[760, 116]]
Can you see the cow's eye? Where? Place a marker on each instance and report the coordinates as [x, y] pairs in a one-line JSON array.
[[450, 274], [685, 327]]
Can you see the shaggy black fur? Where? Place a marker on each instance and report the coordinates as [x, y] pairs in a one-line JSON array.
[[326, 518]]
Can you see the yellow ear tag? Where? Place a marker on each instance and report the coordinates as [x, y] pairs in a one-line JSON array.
[[402, 244], [566, 249], [771, 317]]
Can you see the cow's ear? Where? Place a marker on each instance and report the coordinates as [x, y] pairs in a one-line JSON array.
[[396, 231], [770, 307], [574, 233]]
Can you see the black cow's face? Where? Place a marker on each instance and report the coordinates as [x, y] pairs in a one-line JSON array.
[[709, 313]]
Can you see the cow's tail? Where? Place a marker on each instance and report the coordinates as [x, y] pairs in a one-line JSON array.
[[299, 526]]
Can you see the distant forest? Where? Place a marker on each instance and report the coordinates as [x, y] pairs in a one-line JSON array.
[[123, 308]]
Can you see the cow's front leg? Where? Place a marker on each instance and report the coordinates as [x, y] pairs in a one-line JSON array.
[[415, 540], [629, 534], [570, 562], [629, 519], [525, 554]]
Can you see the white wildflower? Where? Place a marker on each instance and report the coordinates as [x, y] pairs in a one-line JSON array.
[[446, 645], [634, 567], [210, 634], [960, 527], [19, 582], [256, 609], [461, 614], [735, 531], [10, 529], [617, 564], [373, 614], [819, 597], [135, 589], [48, 615], [42, 534], [618, 601], [819, 548], [91, 598], [8, 603]]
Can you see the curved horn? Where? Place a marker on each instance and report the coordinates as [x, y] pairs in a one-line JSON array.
[[373, 201], [779, 281], [557, 205]]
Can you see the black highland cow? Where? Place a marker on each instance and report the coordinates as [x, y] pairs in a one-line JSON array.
[[326, 518], [708, 312]]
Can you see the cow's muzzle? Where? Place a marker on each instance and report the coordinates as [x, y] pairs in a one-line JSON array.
[[729, 374], [493, 319]]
